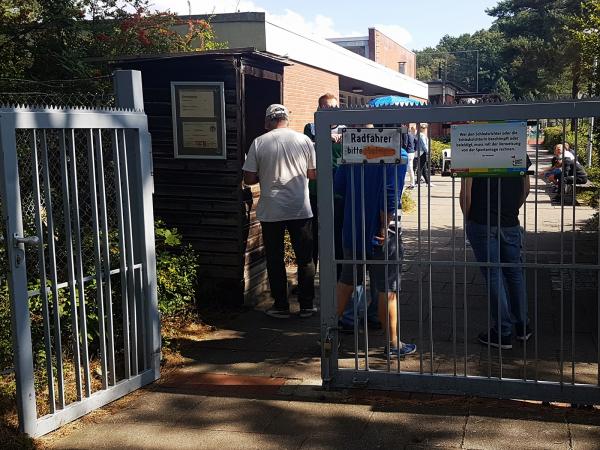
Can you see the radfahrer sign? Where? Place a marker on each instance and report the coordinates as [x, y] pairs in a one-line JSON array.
[[371, 145]]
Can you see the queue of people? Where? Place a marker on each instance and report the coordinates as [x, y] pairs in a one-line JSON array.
[[283, 161]]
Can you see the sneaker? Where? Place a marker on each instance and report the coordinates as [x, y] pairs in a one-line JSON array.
[[524, 337], [505, 341], [406, 349], [307, 312], [278, 313]]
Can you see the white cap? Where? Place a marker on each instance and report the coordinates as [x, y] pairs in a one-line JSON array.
[[277, 111]]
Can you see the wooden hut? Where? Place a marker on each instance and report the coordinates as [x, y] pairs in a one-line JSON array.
[[198, 188]]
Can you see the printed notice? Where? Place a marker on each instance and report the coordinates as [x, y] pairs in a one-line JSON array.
[[196, 103], [200, 135], [489, 149], [371, 145]]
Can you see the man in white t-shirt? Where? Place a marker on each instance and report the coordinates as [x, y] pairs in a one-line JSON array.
[[282, 161]]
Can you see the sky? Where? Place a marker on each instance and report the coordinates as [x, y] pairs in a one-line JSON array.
[[414, 24]]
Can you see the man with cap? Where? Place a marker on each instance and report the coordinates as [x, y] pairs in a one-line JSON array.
[[282, 161]]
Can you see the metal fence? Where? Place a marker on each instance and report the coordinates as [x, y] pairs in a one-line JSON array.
[[443, 299], [84, 92], [79, 242]]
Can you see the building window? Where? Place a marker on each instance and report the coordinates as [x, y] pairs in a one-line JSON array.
[[402, 67]]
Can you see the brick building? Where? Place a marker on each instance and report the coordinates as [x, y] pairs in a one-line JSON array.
[[383, 50], [318, 65]]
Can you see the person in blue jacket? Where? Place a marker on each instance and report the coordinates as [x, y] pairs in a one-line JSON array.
[[379, 206]]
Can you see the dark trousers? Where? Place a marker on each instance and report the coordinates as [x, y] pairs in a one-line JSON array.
[[301, 236], [338, 218], [424, 167]]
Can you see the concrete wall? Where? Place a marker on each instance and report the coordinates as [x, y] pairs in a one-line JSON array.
[[302, 87], [389, 53], [237, 30]]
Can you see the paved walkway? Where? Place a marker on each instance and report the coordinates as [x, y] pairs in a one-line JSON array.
[[255, 382]]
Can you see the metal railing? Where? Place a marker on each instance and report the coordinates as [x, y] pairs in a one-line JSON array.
[[444, 294], [79, 236]]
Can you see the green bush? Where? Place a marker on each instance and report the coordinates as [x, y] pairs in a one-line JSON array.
[[176, 266], [5, 330], [408, 204], [437, 146], [554, 136], [176, 269]]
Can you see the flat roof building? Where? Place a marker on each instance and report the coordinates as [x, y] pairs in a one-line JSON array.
[[318, 65]]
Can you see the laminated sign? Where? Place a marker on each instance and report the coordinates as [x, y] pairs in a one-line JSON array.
[[490, 149], [371, 145]]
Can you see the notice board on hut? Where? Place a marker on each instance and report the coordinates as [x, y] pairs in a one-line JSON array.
[[198, 111]]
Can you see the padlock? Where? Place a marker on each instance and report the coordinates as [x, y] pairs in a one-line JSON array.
[[327, 346]]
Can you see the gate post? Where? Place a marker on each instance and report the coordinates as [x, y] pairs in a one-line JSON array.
[[129, 94], [17, 277]]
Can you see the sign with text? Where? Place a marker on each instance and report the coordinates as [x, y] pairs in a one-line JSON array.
[[490, 149], [371, 145], [198, 113]]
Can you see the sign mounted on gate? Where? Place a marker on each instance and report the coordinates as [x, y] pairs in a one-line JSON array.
[[371, 145], [489, 149]]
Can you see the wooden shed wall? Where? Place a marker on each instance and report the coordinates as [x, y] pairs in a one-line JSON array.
[[204, 199]]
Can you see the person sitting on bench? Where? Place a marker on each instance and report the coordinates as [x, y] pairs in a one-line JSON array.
[[574, 174]]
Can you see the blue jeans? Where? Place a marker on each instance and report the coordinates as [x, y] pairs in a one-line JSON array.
[[360, 296], [506, 284]]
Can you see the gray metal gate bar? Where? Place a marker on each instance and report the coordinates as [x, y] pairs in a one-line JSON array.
[[42, 269], [116, 143], [430, 275], [70, 261], [573, 258], [53, 271], [499, 239], [536, 250], [130, 272], [399, 249], [562, 257], [79, 267], [97, 254], [388, 338], [106, 268], [454, 360], [364, 253]]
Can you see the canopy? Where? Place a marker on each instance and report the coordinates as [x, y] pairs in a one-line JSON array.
[[393, 100]]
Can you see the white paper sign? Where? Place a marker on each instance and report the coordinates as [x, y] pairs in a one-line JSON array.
[[489, 149], [372, 145], [200, 135], [196, 103]]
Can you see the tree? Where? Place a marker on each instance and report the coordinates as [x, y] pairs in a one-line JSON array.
[[538, 48], [502, 88], [585, 30], [54, 39], [455, 59]]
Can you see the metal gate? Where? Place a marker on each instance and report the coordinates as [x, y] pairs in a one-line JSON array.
[[78, 232], [444, 299]]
